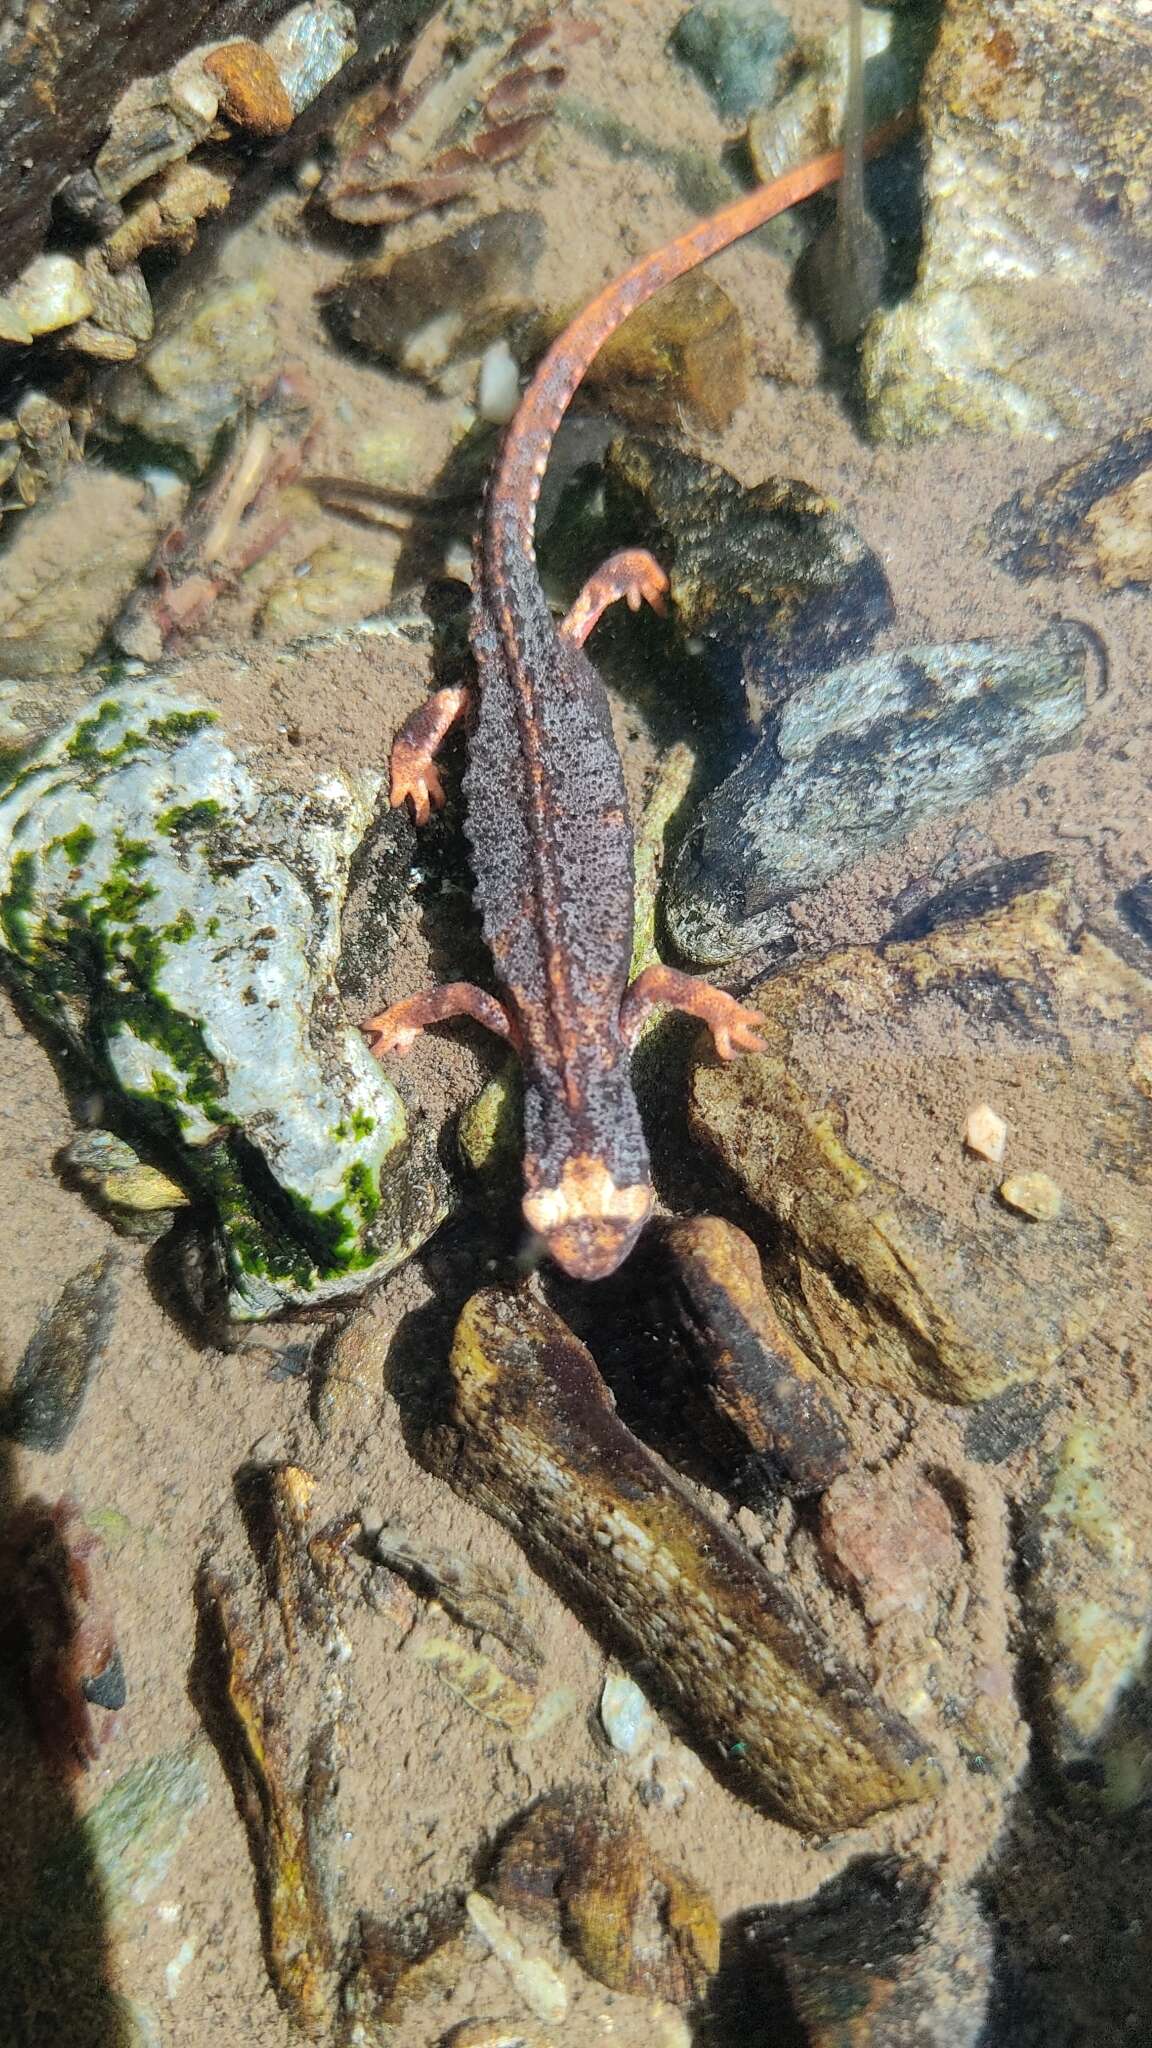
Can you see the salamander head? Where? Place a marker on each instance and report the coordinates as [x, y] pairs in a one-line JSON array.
[[588, 1223]]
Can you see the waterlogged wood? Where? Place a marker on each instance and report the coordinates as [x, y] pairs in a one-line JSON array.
[[535, 1439]]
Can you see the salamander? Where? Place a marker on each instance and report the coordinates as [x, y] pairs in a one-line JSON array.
[[547, 816]]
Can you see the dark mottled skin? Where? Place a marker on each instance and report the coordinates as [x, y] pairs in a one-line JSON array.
[[553, 855]]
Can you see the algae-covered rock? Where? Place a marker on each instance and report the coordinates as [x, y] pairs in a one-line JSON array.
[[178, 926], [534, 1438], [858, 758], [738, 49], [894, 1259], [1088, 1594], [1036, 272]]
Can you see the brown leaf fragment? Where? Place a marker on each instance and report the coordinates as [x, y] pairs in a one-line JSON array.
[[281, 1664], [477, 1595], [534, 1438], [400, 151]]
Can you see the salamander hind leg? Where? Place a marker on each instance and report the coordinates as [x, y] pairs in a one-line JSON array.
[[633, 574], [416, 745], [733, 1027], [397, 1029]]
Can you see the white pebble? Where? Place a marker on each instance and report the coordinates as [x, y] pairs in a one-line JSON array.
[[986, 1133], [629, 1722], [498, 392], [52, 292]]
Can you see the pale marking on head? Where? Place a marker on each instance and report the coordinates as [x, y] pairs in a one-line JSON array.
[[587, 1193]]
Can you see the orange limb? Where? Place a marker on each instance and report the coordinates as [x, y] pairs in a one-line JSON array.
[[632, 574], [416, 745], [733, 1027], [397, 1029]]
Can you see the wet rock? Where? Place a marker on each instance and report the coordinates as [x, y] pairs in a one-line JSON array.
[[58, 1631], [281, 1665], [427, 308], [809, 117], [479, 1596], [927, 1283], [1135, 904], [1094, 515], [537, 1983], [632, 1921], [252, 93], [1010, 1423], [394, 1968], [50, 294], [196, 377], [1032, 1194], [37, 446], [121, 318], [772, 580], [759, 1379], [178, 927], [985, 1133], [894, 1547], [42, 1406], [738, 49], [879, 1957], [61, 592], [1088, 1596], [858, 759], [980, 893], [138, 1199], [309, 46], [177, 201], [335, 586], [156, 122], [684, 355], [1037, 228], [534, 1439], [130, 1839]]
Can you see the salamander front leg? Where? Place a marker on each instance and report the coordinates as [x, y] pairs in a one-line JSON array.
[[733, 1028], [633, 574], [416, 745], [397, 1029]]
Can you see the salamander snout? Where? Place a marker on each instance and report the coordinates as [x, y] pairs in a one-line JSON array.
[[588, 1222]]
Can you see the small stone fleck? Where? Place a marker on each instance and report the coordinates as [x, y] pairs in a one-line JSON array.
[[985, 1133], [1033, 1194]]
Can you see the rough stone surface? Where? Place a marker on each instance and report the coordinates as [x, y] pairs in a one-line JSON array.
[[1088, 1595], [857, 759], [65, 67], [56, 603], [894, 1284], [1038, 227], [178, 927]]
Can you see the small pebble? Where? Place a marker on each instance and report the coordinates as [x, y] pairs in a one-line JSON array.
[[627, 1718], [498, 392], [52, 292], [538, 1984], [252, 95], [1033, 1194], [986, 1133]]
